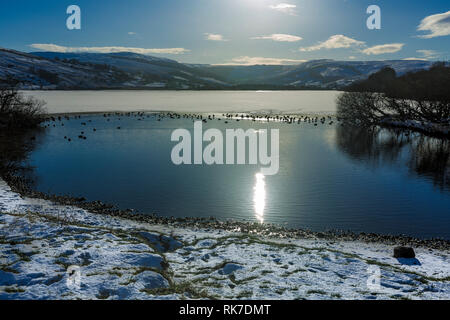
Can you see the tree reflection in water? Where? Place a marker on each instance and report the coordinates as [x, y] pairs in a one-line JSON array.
[[15, 149], [376, 146]]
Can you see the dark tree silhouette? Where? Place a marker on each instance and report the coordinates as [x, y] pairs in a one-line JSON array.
[[421, 96], [17, 111]]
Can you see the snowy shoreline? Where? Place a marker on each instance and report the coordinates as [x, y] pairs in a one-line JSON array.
[[124, 259]]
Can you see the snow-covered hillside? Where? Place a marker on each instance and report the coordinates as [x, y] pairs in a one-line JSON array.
[[316, 73], [96, 71], [50, 70]]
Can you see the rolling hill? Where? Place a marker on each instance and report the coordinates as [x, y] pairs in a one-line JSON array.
[[50, 70]]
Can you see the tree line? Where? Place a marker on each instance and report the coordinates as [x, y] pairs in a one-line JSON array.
[[422, 97], [18, 111]]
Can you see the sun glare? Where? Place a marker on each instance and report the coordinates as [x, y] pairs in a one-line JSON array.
[[259, 197]]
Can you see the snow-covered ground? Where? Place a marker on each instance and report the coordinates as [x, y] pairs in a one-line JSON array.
[[49, 251]]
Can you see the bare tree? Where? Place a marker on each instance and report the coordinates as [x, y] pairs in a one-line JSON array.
[[17, 111], [385, 98]]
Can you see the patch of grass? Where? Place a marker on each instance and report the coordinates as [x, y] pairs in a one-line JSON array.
[[63, 255], [13, 290], [182, 288], [233, 279], [103, 295], [247, 238], [264, 272], [117, 268], [420, 277], [276, 245], [290, 273], [219, 266], [93, 274], [86, 262], [129, 281], [399, 297], [316, 292], [135, 251], [8, 269], [62, 263], [422, 280], [24, 256], [115, 273], [162, 242], [15, 242], [341, 275], [54, 280], [244, 294], [213, 285], [280, 291]]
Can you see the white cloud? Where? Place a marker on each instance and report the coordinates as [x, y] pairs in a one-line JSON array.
[[335, 42], [414, 59], [437, 25], [384, 48], [63, 49], [340, 41], [131, 33], [428, 54], [279, 37], [214, 37], [250, 61], [285, 8]]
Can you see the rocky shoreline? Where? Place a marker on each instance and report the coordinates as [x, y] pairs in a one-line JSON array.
[[54, 251], [23, 187]]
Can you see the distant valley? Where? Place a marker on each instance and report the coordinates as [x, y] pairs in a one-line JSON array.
[[64, 71]]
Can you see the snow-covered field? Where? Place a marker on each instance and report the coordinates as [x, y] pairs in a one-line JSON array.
[[49, 251]]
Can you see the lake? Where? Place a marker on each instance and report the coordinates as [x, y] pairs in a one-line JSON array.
[[330, 177], [187, 101]]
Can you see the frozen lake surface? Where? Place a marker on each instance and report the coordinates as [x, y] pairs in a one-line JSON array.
[[188, 101]]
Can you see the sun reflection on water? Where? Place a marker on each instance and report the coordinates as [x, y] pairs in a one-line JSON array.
[[259, 197]]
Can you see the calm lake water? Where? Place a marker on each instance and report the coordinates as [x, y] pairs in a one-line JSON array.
[[330, 177]]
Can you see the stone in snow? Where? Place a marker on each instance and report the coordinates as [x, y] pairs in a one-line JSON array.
[[229, 268], [151, 280], [404, 252]]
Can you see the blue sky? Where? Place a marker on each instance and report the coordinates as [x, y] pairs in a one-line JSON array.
[[233, 31]]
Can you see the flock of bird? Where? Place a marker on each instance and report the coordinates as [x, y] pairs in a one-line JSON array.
[[54, 121]]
